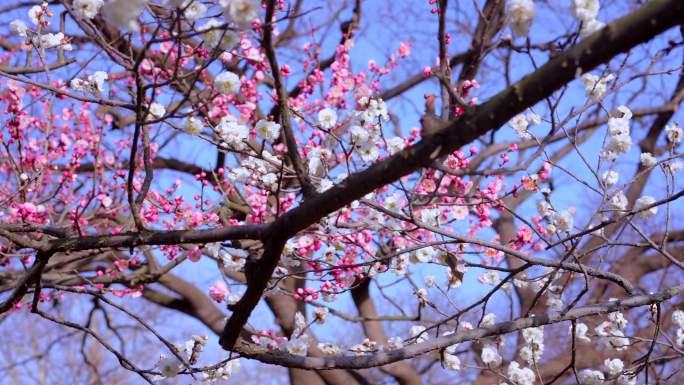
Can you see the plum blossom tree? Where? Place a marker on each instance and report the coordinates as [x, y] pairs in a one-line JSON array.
[[199, 190]]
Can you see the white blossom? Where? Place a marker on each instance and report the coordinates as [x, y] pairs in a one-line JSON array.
[[491, 277], [316, 160], [614, 366], [416, 332], [35, 13], [297, 346], [169, 366], [544, 208], [673, 133], [359, 134], [394, 343], [643, 202], [519, 375], [232, 132], [327, 118], [520, 15], [221, 373], [369, 152], [618, 201], [585, 10], [675, 166], [233, 259], [488, 320], [647, 159], [19, 27], [519, 123], [490, 356], [452, 362], [124, 13], [325, 185], [97, 80], [594, 86], [678, 318], [194, 9], [193, 126], [241, 12], [55, 40], [157, 111], [395, 145], [227, 83], [618, 318], [610, 178], [425, 254], [590, 26], [216, 37], [563, 221], [591, 377], [624, 379], [329, 348], [88, 9], [267, 129], [581, 330]]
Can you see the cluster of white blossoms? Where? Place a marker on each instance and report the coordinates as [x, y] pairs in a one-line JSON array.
[[519, 375], [232, 133], [298, 344], [125, 13], [365, 131], [619, 132], [612, 333], [170, 366], [591, 377], [614, 369], [534, 344], [647, 159], [55, 40], [521, 122], [92, 84], [490, 356], [87, 9], [596, 86], [520, 14], [586, 11], [558, 221], [450, 360], [227, 83]]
